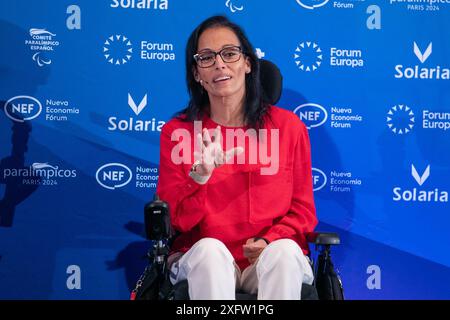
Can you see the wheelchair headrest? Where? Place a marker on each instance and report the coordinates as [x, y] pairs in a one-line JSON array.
[[271, 81]]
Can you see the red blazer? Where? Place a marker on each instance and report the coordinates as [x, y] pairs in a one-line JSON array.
[[238, 202]]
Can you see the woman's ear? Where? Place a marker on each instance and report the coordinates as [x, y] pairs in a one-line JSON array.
[[248, 65], [195, 73]]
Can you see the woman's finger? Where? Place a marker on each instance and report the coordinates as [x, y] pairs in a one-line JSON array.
[[251, 255], [219, 157], [252, 249], [200, 142], [217, 135], [252, 260]]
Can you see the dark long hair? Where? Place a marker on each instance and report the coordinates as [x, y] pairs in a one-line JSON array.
[[255, 107]]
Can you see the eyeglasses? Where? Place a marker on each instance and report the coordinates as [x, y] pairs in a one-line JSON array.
[[207, 59]]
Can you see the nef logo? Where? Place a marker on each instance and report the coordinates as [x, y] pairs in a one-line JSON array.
[[21, 108], [312, 114], [308, 56], [113, 175], [319, 179], [420, 194]]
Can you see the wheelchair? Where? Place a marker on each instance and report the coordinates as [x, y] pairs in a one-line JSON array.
[[155, 284]]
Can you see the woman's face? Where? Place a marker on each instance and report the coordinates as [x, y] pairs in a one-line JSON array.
[[221, 79]]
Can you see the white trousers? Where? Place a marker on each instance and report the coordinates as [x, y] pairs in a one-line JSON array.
[[212, 273]]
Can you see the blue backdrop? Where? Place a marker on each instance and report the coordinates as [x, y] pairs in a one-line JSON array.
[[85, 87]]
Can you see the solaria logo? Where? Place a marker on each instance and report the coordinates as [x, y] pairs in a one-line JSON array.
[[420, 193], [423, 70], [133, 124]]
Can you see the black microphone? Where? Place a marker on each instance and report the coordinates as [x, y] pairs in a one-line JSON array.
[[157, 220]]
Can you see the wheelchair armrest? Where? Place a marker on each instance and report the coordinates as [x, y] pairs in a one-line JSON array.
[[323, 238]]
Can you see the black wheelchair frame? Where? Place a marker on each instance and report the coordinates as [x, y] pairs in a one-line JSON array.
[[154, 284]]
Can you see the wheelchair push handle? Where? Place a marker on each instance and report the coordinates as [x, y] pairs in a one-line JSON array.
[[157, 220], [323, 238]]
